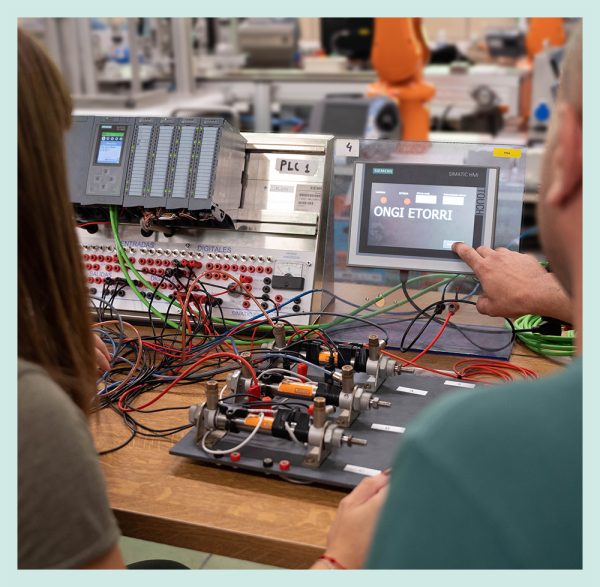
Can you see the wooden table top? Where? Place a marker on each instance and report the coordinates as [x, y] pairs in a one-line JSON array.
[[172, 500]]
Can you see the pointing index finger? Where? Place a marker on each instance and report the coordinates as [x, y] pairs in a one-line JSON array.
[[468, 254]]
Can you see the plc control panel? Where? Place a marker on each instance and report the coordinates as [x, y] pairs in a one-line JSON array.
[[256, 244], [172, 163]]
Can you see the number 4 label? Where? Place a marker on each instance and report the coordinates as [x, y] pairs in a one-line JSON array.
[[347, 147]]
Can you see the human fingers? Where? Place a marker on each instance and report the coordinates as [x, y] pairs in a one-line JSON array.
[[366, 489], [99, 344], [484, 305], [101, 361], [377, 501], [351, 533], [484, 251], [468, 254]]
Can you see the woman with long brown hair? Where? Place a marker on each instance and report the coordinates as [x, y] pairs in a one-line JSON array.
[[64, 517]]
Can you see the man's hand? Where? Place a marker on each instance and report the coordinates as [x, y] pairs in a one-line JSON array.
[[514, 284], [102, 354], [352, 530]]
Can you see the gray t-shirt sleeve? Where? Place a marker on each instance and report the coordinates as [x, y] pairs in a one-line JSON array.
[[64, 517]]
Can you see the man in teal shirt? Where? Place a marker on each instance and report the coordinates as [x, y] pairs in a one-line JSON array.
[[492, 478]]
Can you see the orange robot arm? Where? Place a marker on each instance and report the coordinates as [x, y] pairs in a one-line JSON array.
[[397, 52], [398, 55], [544, 30]]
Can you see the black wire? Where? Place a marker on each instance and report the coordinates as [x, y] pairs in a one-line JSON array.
[[123, 444], [163, 409], [249, 403], [438, 310], [338, 315], [120, 446], [460, 329], [352, 304], [447, 286]]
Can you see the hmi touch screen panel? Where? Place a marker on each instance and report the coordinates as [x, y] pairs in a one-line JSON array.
[[407, 216]]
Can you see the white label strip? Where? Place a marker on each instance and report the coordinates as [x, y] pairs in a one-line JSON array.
[[459, 384], [425, 199], [297, 166], [347, 148], [411, 390], [388, 428], [362, 470], [458, 200]]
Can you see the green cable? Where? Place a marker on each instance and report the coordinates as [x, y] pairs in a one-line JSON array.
[[398, 286], [393, 306], [127, 265], [115, 229], [369, 303], [549, 345]]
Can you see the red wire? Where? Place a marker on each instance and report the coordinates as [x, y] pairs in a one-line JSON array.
[[164, 351], [184, 374], [91, 223], [472, 367], [244, 325], [185, 317], [492, 367], [254, 330], [433, 341]]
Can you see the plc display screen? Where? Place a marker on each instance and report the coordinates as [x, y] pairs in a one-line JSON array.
[[109, 150], [417, 211]]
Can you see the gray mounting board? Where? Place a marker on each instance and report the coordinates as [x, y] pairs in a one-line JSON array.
[[495, 342], [378, 454]]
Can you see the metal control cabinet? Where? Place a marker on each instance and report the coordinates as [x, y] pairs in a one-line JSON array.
[[274, 237]]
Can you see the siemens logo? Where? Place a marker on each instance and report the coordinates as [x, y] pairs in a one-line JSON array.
[[383, 171]]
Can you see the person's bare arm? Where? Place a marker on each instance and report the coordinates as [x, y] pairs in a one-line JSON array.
[[354, 524], [514, 284], [113, 559]]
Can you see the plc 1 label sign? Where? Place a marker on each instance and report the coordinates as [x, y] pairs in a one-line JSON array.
[[296, 166]]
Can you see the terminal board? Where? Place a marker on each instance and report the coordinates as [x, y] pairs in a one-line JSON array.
[[275, 275]]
